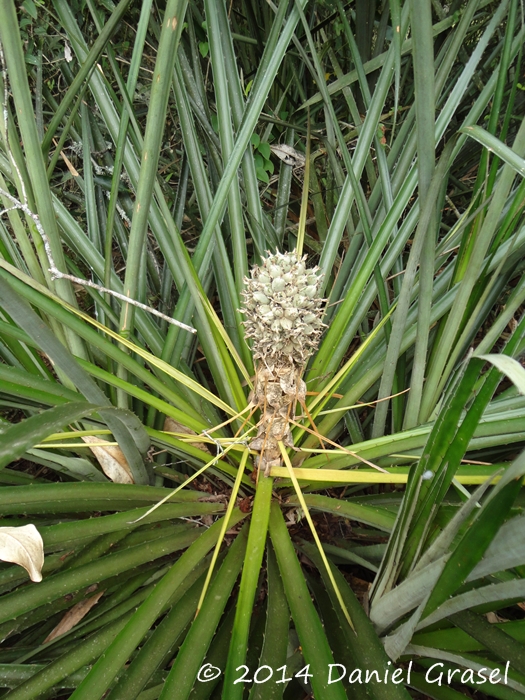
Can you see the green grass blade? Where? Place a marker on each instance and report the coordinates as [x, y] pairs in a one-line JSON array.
[[304, 196], [361, 203], [486, 598], [336, 341], [217, 656], [121, 141], [93, 228], [493, 144], [169, 38], [430, 495], [435, 379], [181, 416], [423, 62], [502, 645], [414, 591], [75, 238], [377, 62], [184, 671], [400, 315], [312, 528], [50, 306], [162, 644], [366, 648], [64, 534], [370, 515], [44, 300], [251, 184], [27, 599], [274, 651], [271, 61], [16, 66], [504, 552], [53, 673], [395, 15], [473, 544], [165, 231], [20, 235], [316, 651], [210, 248], [107, 667], [24, 435], [221, 79], [89, 498], [226, 520], [436, 447], [85, 69], [248, 586], [454, 453]]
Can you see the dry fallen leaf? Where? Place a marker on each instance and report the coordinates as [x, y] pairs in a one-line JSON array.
[[23, 546], [69, 165], [111, 459], [73, 616], [289, 155], [494, 618], [173, 426], [67, 52]]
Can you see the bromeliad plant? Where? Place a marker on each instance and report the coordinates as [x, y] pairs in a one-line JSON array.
[[345, 368]]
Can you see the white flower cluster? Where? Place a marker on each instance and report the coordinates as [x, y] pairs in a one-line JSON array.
[[283, 308]]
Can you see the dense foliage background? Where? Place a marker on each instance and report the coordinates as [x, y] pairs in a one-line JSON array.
[[156, 152]]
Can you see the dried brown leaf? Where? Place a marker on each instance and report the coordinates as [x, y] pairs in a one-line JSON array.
[[173, 426], [111, 459], [73, 616]]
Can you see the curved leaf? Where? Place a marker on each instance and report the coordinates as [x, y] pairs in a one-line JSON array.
[[24, 546], [496, 146]]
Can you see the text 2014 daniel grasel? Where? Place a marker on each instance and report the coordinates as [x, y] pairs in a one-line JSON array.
[[337, 673]]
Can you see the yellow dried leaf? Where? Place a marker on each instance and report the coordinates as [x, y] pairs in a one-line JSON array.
[[111, 459]]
